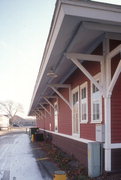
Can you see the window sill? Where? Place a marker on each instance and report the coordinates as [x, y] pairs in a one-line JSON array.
[[76, 135], [83, 122], [96, 122]]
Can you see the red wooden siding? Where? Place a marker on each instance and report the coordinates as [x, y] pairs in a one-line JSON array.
[[115, 99], [40, 123], [87, 131], [116, 112], [65, 115], [47, 122]]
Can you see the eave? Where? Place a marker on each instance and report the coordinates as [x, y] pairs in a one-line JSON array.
[[79, 27]]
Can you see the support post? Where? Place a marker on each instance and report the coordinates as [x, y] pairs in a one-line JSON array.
[[107, 103], [108, 133]]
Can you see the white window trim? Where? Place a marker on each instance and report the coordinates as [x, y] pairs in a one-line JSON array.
[[84, 85], [73, 92], [97, 77]]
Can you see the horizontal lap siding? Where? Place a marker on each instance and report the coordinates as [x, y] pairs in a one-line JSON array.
[[44, 122], [116, 113], [40, 123], [78, 78], [116, 104], [65, 115], [47, 120], [49, 123], [87, 131]]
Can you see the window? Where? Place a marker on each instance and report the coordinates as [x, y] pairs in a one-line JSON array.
[[56, 116], [83, 103], [75, 112], [96, 102]]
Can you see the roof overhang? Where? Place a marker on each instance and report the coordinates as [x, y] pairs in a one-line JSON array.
[[79, 27]]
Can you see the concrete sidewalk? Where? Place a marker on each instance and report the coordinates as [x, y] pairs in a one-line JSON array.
[[43, 159], [12, 130], [17, 160]]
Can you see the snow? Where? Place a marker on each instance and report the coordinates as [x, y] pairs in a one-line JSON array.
[[16, 158]]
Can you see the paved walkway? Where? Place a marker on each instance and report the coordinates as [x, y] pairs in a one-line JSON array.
[[17, 161]]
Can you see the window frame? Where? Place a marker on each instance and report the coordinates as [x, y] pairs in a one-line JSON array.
[[76, 89], [82, 100], [94, 99]]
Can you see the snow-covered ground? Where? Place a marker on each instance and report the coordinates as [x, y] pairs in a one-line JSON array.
[[16, 159]]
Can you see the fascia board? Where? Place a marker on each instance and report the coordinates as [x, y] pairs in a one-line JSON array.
[[95, 11], [92, 4], [48, 48]]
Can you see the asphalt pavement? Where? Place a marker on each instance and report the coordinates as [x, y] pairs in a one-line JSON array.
[[22, 160]]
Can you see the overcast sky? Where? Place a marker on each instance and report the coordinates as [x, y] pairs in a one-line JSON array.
[[24, 27]]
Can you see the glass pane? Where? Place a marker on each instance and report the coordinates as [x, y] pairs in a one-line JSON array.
[[76, 96], [56, 116], [94, 88], [96, 111], [83, 93], [73, 99], [75, 113], [84, 115]]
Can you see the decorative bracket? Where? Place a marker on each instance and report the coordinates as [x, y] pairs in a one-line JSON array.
[[37, 114], [44, 108], [54, 86], [42, 114], [82, 68], [49, 102]]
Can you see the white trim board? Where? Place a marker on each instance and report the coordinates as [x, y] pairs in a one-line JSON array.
[[115, 146], [86, 141]]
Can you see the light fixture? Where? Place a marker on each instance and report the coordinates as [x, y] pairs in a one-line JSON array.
[[52, 74]]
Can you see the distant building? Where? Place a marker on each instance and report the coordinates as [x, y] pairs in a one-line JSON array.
[[20, 121], [4, 121]]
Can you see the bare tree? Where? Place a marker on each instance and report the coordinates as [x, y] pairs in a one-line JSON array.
[[10, 109]]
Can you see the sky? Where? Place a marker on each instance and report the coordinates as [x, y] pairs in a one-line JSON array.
[[24, 28]]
